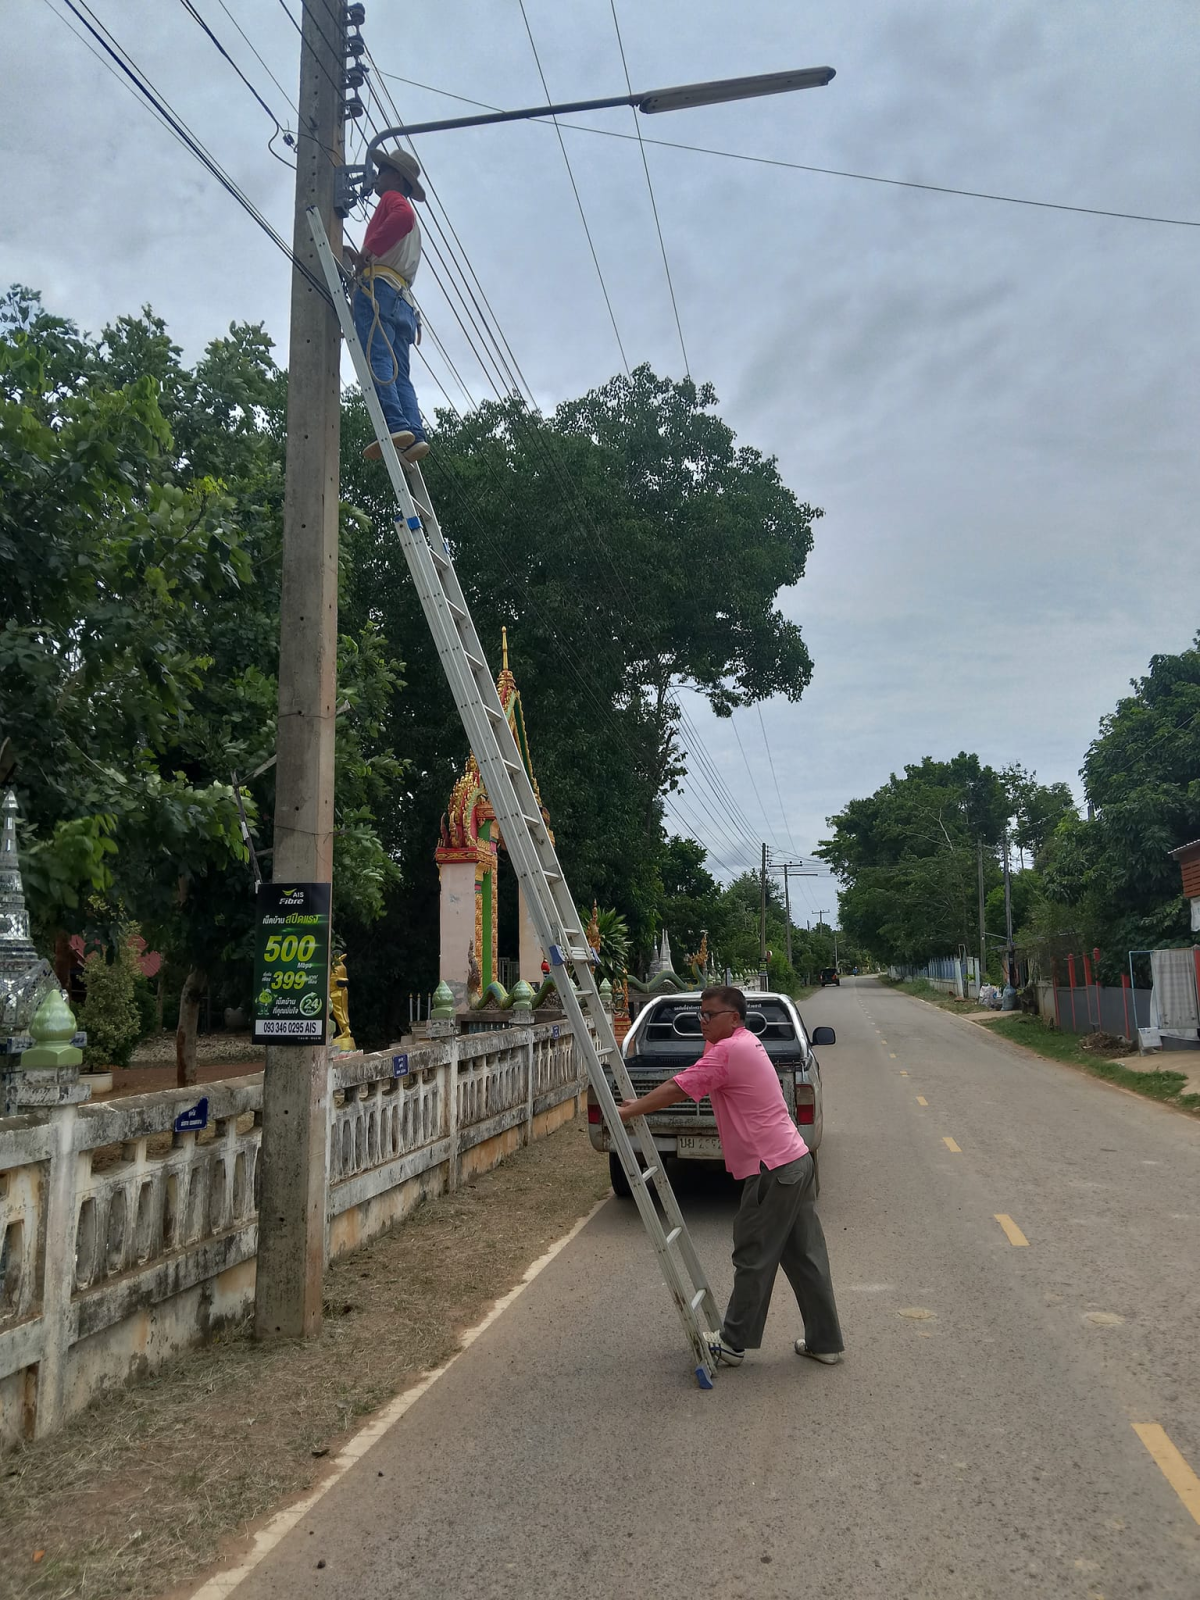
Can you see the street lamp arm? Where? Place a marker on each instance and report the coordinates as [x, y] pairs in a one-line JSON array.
[[650, 102]]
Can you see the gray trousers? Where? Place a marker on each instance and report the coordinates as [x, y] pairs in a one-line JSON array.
[[777, 1226]]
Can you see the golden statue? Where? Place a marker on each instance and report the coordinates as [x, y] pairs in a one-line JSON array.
[[339, 1006], [593, 928]]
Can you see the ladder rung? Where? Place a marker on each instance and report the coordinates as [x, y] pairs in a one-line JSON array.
[[646, 1173], [533, 822], [458, 611], [673, 1235], [480, 666], [496, 716], [439, 559], [698, 1297]]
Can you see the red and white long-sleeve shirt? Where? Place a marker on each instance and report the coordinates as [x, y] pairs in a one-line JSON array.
[[393, 238]]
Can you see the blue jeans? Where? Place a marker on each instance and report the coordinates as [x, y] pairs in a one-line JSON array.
[[388, 343]]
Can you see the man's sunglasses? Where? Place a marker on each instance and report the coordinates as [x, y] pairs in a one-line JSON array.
[[707, 1016]]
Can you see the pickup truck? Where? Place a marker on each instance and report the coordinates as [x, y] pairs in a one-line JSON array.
[[666, 1037]]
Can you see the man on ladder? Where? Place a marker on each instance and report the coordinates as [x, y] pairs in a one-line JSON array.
[[385, 313]]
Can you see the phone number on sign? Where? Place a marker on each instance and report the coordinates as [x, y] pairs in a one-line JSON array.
[[304, 1029]]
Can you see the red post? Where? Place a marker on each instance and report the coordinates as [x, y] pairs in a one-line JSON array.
[[1125, 998]]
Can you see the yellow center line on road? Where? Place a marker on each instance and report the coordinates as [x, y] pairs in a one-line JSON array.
[[921, 1100], [892, 1054], [903, 1072], [1015, 1236], [950, 1144], [1171, 1464]]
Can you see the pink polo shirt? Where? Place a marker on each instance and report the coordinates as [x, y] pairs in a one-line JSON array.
[[752, 1117]]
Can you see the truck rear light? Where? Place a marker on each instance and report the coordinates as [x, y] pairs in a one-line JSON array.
[[594, 1117], [805, 1115]]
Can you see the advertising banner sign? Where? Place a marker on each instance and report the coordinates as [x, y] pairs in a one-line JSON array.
[[291, 964]]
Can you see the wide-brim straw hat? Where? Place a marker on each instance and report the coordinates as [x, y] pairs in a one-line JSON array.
[[406, 165]]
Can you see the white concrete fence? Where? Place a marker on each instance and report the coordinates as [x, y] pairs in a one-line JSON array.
[[123, 1241]]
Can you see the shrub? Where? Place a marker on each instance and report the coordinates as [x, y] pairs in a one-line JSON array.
[[110, 1012]]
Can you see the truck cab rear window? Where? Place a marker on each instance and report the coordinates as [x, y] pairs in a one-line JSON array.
[[675, 1025]]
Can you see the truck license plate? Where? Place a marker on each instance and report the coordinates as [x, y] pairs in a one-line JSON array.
[[698, 1147]]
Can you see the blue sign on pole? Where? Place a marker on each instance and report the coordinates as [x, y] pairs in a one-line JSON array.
[[554, 1031], [194, 1118], [400, 1066]]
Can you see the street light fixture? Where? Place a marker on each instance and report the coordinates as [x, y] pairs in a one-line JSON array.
[[353, 181]]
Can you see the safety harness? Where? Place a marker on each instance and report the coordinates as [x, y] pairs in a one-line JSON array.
[[365, 280]]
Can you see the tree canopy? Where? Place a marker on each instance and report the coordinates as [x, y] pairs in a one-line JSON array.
[[1111, 875], [629, 544]]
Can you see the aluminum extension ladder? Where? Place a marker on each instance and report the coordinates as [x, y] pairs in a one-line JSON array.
[[510, 792]]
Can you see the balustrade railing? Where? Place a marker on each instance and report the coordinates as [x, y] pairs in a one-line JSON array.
[[121, 1234]]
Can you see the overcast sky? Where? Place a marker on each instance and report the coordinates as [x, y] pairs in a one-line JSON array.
[[995, 404]]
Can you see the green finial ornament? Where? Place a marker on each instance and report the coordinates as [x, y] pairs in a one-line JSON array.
[[52, 1029], [443, 1003]]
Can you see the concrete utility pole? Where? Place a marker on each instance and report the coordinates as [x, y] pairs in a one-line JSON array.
[[787, 912], [762, 922], [1011, 954], [982, 928], [291, 1218]]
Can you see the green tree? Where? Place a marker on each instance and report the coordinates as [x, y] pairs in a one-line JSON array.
[[140, 525], [1110, 878], [629, 547], [907, 858]]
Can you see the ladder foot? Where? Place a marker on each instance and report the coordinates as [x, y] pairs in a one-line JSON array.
[[704, 1378]]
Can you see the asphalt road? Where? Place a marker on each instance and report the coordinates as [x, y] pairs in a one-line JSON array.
[[979, 1439]]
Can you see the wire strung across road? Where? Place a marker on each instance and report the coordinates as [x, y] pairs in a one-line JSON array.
[[637, 128], [192, 12], [575, 191]]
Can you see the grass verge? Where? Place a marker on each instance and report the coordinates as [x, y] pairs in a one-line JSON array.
[[137, 1494], [922, 989], [1035, 1035]]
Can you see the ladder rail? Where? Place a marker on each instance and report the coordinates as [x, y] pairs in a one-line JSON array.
[[531, 849]]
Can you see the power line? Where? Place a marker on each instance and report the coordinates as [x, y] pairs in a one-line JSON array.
[[778, 795], [184, 135], [835, 172], [287, 97], [192, 12], [637, 128], [575, 191]]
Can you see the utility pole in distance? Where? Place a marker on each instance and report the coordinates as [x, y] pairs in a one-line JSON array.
[[762, 923], [982, 929], [291, 1217], [1010, 953]]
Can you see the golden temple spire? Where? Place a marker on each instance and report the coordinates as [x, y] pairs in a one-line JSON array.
[[504, 649]]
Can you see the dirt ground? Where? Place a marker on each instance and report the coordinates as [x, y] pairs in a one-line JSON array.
[[138, 1494]]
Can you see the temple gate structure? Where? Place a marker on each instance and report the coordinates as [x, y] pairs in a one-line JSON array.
[[468, 858]]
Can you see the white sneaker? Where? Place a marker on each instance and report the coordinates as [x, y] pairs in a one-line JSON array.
[[829, 1358], [416, 452], [401, 440], [723, 1354]]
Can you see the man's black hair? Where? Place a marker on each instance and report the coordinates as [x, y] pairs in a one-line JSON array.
[[727, 995]]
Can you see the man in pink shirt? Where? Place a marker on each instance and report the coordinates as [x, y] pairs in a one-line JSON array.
[[777, 1223]]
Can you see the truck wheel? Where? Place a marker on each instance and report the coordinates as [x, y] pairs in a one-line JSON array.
[[616, 1173]]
